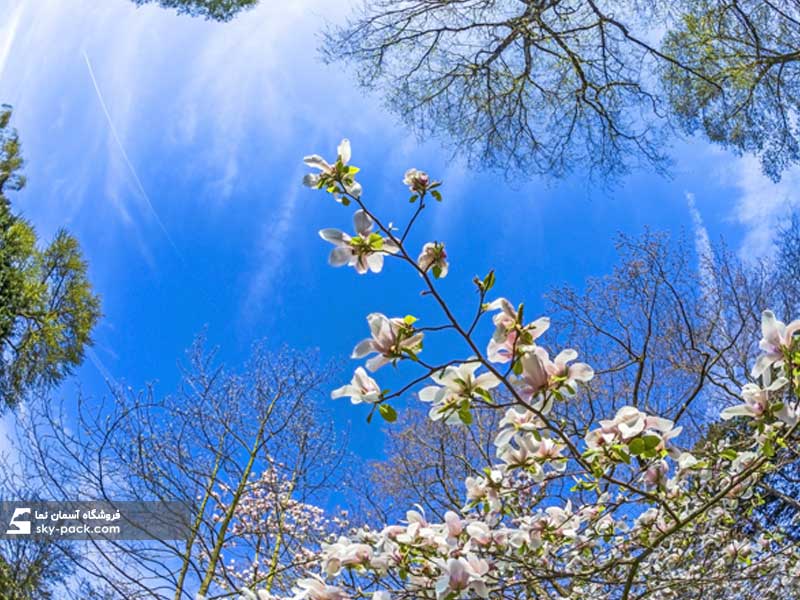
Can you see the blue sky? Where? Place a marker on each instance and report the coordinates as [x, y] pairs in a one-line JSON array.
[[172, 148]]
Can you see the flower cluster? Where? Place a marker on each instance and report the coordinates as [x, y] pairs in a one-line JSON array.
[[614, 511], [363, 251]]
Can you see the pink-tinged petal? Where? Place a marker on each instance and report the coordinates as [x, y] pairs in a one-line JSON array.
[[540, 325], [362, 223], [778, 384], [375, 262], [361, 265], [389, 247], [363, 348], [501, 304], [487, 381], [763, 363], [428, 393], [581, 372], [344, 151], [659, 423], [377, 323], [340, 257], [741, 410], [317, 162], [534, 370], [631, 430], [792, 329], [354, 189], [334, 236], [376, 362], [345, 391], [564, 357], [771, 328]]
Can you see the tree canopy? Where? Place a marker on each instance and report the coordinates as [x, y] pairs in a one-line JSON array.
[[214, 10], [47, 306], [540, 87]]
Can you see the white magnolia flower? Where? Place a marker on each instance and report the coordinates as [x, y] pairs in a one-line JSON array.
[[756, 400], [509, 335], [416, 180], [314, 588], [391, 340], [461, 574], [516, 419], [630, 423], [433, 256], [364, 251], [345, 553], [540, 373], [328, 171], [455, 384], [362, 388], [776, 337]]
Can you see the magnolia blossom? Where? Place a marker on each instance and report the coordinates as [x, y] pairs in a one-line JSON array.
[[664, 526], [776, 338], [434, 256], [517, 419], [630, 423], [329, 171], [540, 373], [416, 180], [462, 574], [315, 588], [343, 553], [756, 400], [364, 251], [362, 388], [391, 338], [455, 385], [509, 335]]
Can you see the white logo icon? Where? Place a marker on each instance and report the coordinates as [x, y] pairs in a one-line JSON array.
[[19, 526]]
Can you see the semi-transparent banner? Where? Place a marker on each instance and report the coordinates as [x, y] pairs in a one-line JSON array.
[[94, 520]]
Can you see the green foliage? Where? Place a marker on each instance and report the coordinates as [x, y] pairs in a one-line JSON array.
[[31, 570], [741, 86], [47, 307], [214, 10]]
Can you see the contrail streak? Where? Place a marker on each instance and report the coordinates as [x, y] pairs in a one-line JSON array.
[[127, 160], [101, 367]]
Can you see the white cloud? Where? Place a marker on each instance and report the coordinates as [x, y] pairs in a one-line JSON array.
[[762, 205], [272, 252], [7, 34], [702, 244]]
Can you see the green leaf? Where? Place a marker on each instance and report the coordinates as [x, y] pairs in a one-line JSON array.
[[465, 414], [388, 413], [437, 194], [413, 198], [651, 441], [636, 446], [488, 281], [485, 395], [410, 319]]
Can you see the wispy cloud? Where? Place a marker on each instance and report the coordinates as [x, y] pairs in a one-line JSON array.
[[7, 34], [115, 135], [762, 205], [272, 252], [101, 368], [702, 244]]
